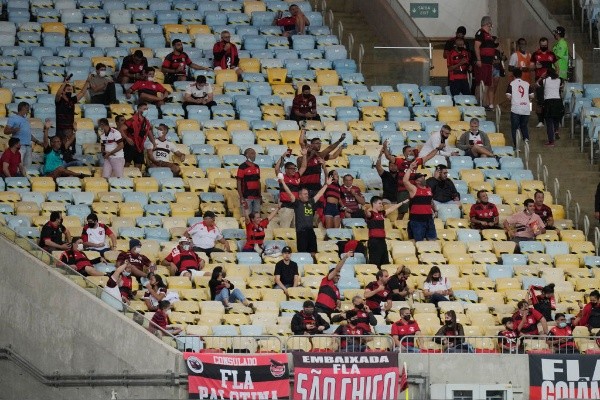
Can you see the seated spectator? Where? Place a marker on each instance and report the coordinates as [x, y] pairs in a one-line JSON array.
[[224, 291], [286, 271], [378, 292], [352, 198], [112, 150], [443, 189], [304, 106], [226, 54], [350, 344], [295, 24], [398, 284], [156, 291], [94, 236], [483, 214], [161, 323], [307, 321], [148, 90], [560, 338], [508, 339], [542, 210], [132, 67], [524, 225], [139, 263], [199, 93], [407, 328], [328, 298], [102, 87], [206, 234], [452, 335], [526, 320], [159, 155], [75, 257], [545, 302], [176, 63], [364, 316], [474, 142], [183, 261], [255, 230], [437, 144], [11, 161], [120, 283], [333, 198], [436, 288], [55, 155], [51, 235], [589, 316]]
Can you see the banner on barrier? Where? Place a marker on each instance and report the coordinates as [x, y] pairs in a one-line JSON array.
[[367, 376], [229, 376], [564, 376]]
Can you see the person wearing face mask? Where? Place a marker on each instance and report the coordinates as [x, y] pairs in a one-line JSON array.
[[57, 157], [328, 298], [255, 230], [459, 62], [222, 290], [199, 93], [451, 335], [508, 339], [483, 214], [140, 264], [398, 284], [561, 50], [132, 67], [286, 273], [474, 142], [520, 93], [519, 60], [352, 198], [527, 319], [407, 328], [304, 106], [119, 288], [331, 201], [541, 60], [364, 316], [248, 182], [347, 343], [51, 234], [524, 225], [437, 288], [205, 235], [75, 257], [183, 260], [94, 236], [560, 337], [176, 63], [156, 290], [160, 154], [11, 161], [307, 321], [112, 145], [485, 50], [65, 101], [18, 126], [378, 292], [135, 132], [102, 87], [437, 143], [545, 302], [389, 179], [422, 208], [226, 54], [148, 90], [589, 316]]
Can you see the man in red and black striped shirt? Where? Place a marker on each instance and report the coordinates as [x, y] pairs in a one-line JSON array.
[[291, 177], [310, 178], [485, 51], [183, 260], [328, 299], [160, 319], [75, 257], [375, 216], [420, 219], [378, 292], [483, 214], [248, 182]]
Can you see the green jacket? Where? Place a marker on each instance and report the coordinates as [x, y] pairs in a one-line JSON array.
[[561, 49]]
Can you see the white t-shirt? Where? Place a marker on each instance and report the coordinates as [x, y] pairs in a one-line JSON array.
[[475, 138], [203, 237], [110, 142], [163, 150], [199, 93], [551, 88], [439, 286], [434, 140], [519, 97]]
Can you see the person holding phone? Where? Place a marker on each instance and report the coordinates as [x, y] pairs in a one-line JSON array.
[[290, 175], [474, 142]]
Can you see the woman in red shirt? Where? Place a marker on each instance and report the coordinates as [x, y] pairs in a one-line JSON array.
[[333, 198], [527, 318], [255, 229]]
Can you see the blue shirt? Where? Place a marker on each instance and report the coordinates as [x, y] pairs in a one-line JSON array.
[[24, 133]]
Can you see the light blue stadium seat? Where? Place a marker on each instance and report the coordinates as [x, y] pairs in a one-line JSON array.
[[159, 5], [277, 43], [255, 42], [68, 184], [532, 281], [499, 271], [262, 18], [397, 114], [18, 15], [247, 258], [511, 163], [14, 221], [303, 42], [270, 30], [465, 100], [485, 163], [172, 185], [120, 184], [238, 18], [556, 248], [223, 113], [347, 114], [29, 232], [335, 52], [159, 234], [104, 40], [516, 259], [286, 54], [209, 161], [314, 54], [347, 68], [233, 160], [94, 16], [143, 17], [148, 222], [487, 126], [184, 6], [160, 173], [446, 211], [441, 101], [468, 235], [131, 232], [135, 197], [591, 261], [212, 18], [158, 209]]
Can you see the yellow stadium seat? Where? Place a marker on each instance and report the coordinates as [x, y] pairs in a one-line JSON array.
[[327, 78], [54, 27], [173, 28], [121, 109], [146, 185], [283, 90], [496, 139], [276, 76], [225, 75], [191, 307], [250, 65], [341, 101], [392, 99], [373, 113], [504, 284], [195, 29], [504, 247], [42, 184], [448, 114], [217, 136], [251, 6], [360, 126], [131, 209], [481, 283], [108, 61]]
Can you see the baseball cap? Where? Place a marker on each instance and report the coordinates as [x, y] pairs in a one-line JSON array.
[[419, 175], [134, 243], [286, 249], [183, 239], [350, 246], [560, 30], [308, 303], [209, 214]]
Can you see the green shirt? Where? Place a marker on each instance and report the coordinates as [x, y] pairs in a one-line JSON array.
[[52, 160], [561, 49]]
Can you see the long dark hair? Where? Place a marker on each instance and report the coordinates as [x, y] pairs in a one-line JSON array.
[[452, 315], [215, 273], [551, 73], [160, 284], [434, 270]]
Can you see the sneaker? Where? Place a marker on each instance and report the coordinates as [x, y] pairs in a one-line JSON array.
[[251, 305], [540, 125], [228, 307], [490, 107], [556, 136], [549, 144]]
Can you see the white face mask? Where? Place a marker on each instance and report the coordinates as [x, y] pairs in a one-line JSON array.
[[186, 247], [136, 250], [150, 79], [126, 273], [80, 247], [102, 74]]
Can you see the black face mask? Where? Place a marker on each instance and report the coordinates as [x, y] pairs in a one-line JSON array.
[[461, 48], [544, 48], [406, 318], [433, 278], [360, 306], [308, 312], [306, 96], [448, 323]]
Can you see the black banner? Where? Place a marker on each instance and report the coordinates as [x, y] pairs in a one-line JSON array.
[[564, 376]]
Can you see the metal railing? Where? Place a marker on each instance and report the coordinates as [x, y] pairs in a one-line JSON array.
[[231, 344], [343, 343], [597, 239]]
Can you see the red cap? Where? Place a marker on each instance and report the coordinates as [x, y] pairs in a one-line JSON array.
[[350, 246]]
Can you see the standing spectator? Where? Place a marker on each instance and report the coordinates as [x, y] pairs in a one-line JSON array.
[[420, 217], [206, 234], [378, 292], [304, 106], [226, 55], [437, 144], [461, 32], [137, 130], [304, 210], [364, 316], [485, 49], [597, 203], [333, 199], [65, 101], [112, 145], [199, 93], [291, 177], [148, 91], [590, 313], [526, 319], [452, 335], [11, 159], [406, 327], [156, 290], [183, 260], [94, 235], [307, 322], [140, 264], [55, 155], [352, 198], [132, 67], [176, 63], [295, 24], [458, 61], [51, 235], [520, 93], [75, 257], [541, 60], [437, 288], [224, 291], [483, 214], [102, 87], [524, 225], [542, 210], [554, 108], [375, 216], [545, 302], [474, 142], [18, 126], [498, 70], [508, 339], [255, 230], [443, 189], [248, 182], [161, 323], [561, 50], [286, 273], [310, 171], [163, 153], [560, 337], [520, 60], [398, 284], [351, 344], [389, 180], [328, 299]]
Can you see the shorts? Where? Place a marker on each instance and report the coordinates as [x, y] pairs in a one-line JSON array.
[[331, 210], [539, 96], [421, 230], [306, 241], [483, 74], [133, 155], [403, 195]]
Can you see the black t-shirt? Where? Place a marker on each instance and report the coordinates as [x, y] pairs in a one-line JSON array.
[[305, 213], [395, 283], [286, 272], [390, 186], [65, 112], [54, 233]]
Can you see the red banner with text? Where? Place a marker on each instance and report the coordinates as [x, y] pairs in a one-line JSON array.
[[225, 376]]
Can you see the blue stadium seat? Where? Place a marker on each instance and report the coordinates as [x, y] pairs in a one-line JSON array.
[[515, 259]]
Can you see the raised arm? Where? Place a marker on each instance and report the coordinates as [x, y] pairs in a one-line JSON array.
[[412, 189], [339, 265], [303, 161], [321, 192], [288, 191], [324, 153], [378, 165], [273, 214]]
